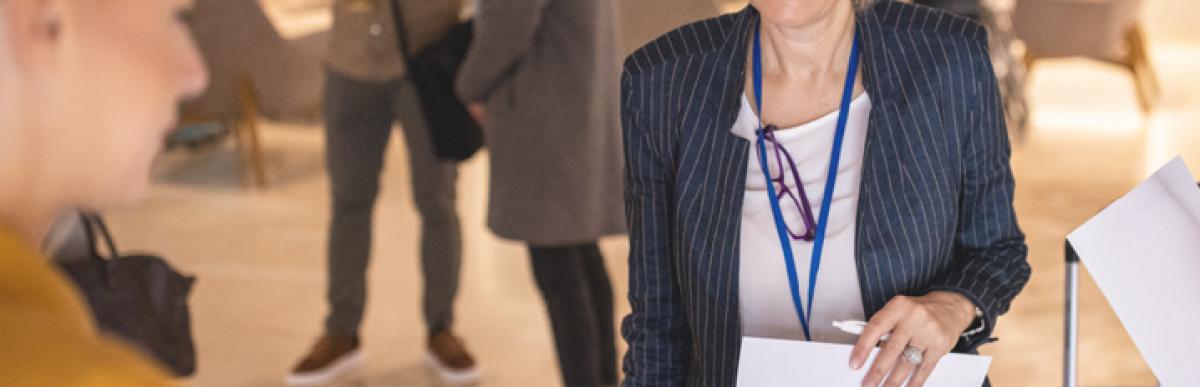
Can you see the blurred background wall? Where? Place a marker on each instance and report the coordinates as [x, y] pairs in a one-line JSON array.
[[1173, 20]]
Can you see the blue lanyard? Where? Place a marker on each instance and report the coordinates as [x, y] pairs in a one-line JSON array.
[[830, 182]]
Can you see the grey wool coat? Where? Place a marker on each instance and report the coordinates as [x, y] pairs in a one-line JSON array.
[[548, 72]]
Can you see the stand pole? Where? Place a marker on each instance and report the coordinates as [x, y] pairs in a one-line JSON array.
[[1071, 331]]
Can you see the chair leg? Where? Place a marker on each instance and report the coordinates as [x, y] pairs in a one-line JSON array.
[[1029, 60], [1138, 62], [247, 133], [1143, 55]]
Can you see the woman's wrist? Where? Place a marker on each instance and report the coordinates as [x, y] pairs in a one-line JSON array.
[[962, 308]]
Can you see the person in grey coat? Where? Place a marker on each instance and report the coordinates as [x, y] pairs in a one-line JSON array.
[[541, 75]]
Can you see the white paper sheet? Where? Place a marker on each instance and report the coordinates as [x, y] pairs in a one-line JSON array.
[[1144, 253], [773, 363]]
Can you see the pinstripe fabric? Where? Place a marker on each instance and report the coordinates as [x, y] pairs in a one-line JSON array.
[[935, 209]]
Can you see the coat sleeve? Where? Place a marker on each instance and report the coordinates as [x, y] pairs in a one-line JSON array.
[[990, 265], [655, 329], [505, 30]]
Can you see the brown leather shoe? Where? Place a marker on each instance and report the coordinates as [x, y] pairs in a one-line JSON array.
[[449, 358], [329, 358]]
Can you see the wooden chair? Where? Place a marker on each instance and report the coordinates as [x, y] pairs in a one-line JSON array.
[[243, 126], [255, 73], [1104, 30]]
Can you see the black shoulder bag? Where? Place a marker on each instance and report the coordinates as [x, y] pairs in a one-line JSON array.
[[455, 135], [138, 298]]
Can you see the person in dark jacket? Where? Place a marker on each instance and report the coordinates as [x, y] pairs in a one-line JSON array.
[[805, 162]]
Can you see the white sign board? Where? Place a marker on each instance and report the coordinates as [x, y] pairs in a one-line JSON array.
[[1144, 253]]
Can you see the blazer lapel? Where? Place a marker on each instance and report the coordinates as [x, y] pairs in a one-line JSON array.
[[719, 158], [873, 262]]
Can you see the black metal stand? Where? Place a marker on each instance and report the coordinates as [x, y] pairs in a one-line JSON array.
[[1071, 325], [1071, 321]]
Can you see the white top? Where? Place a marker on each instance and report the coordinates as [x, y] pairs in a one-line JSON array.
[[766, 300]]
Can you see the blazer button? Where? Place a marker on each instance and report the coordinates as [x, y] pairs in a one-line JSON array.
[[376, 29]]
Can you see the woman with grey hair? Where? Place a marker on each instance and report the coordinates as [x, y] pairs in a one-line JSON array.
[[805, 163]]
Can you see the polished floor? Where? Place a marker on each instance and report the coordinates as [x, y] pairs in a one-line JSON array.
[[258, 253]]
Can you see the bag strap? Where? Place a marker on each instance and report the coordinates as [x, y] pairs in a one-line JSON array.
[[94, 227], [401, 32]]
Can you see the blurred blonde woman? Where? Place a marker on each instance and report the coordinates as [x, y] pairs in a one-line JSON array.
[[88, 88]]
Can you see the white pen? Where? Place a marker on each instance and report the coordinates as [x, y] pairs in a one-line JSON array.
[[855, 327]]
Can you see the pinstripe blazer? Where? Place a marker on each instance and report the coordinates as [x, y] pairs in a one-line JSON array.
[[935, 208]]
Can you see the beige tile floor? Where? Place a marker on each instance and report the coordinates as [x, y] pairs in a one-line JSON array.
[[258, 253]]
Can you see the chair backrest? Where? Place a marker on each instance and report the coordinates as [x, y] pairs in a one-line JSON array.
[[1066, 28], [239, 41]]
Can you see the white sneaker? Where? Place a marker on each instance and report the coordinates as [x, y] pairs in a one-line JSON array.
[[450, 376], [449, 358], [329, 359]]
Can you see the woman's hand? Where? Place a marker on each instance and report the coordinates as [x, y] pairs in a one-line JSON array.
[[931, 323]]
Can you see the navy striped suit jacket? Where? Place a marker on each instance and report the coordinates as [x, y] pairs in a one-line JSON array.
[[935, 208]]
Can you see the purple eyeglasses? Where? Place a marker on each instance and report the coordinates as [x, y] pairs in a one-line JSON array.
[[806, 214]]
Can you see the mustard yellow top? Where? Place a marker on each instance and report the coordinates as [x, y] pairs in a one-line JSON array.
[[46, 333]]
